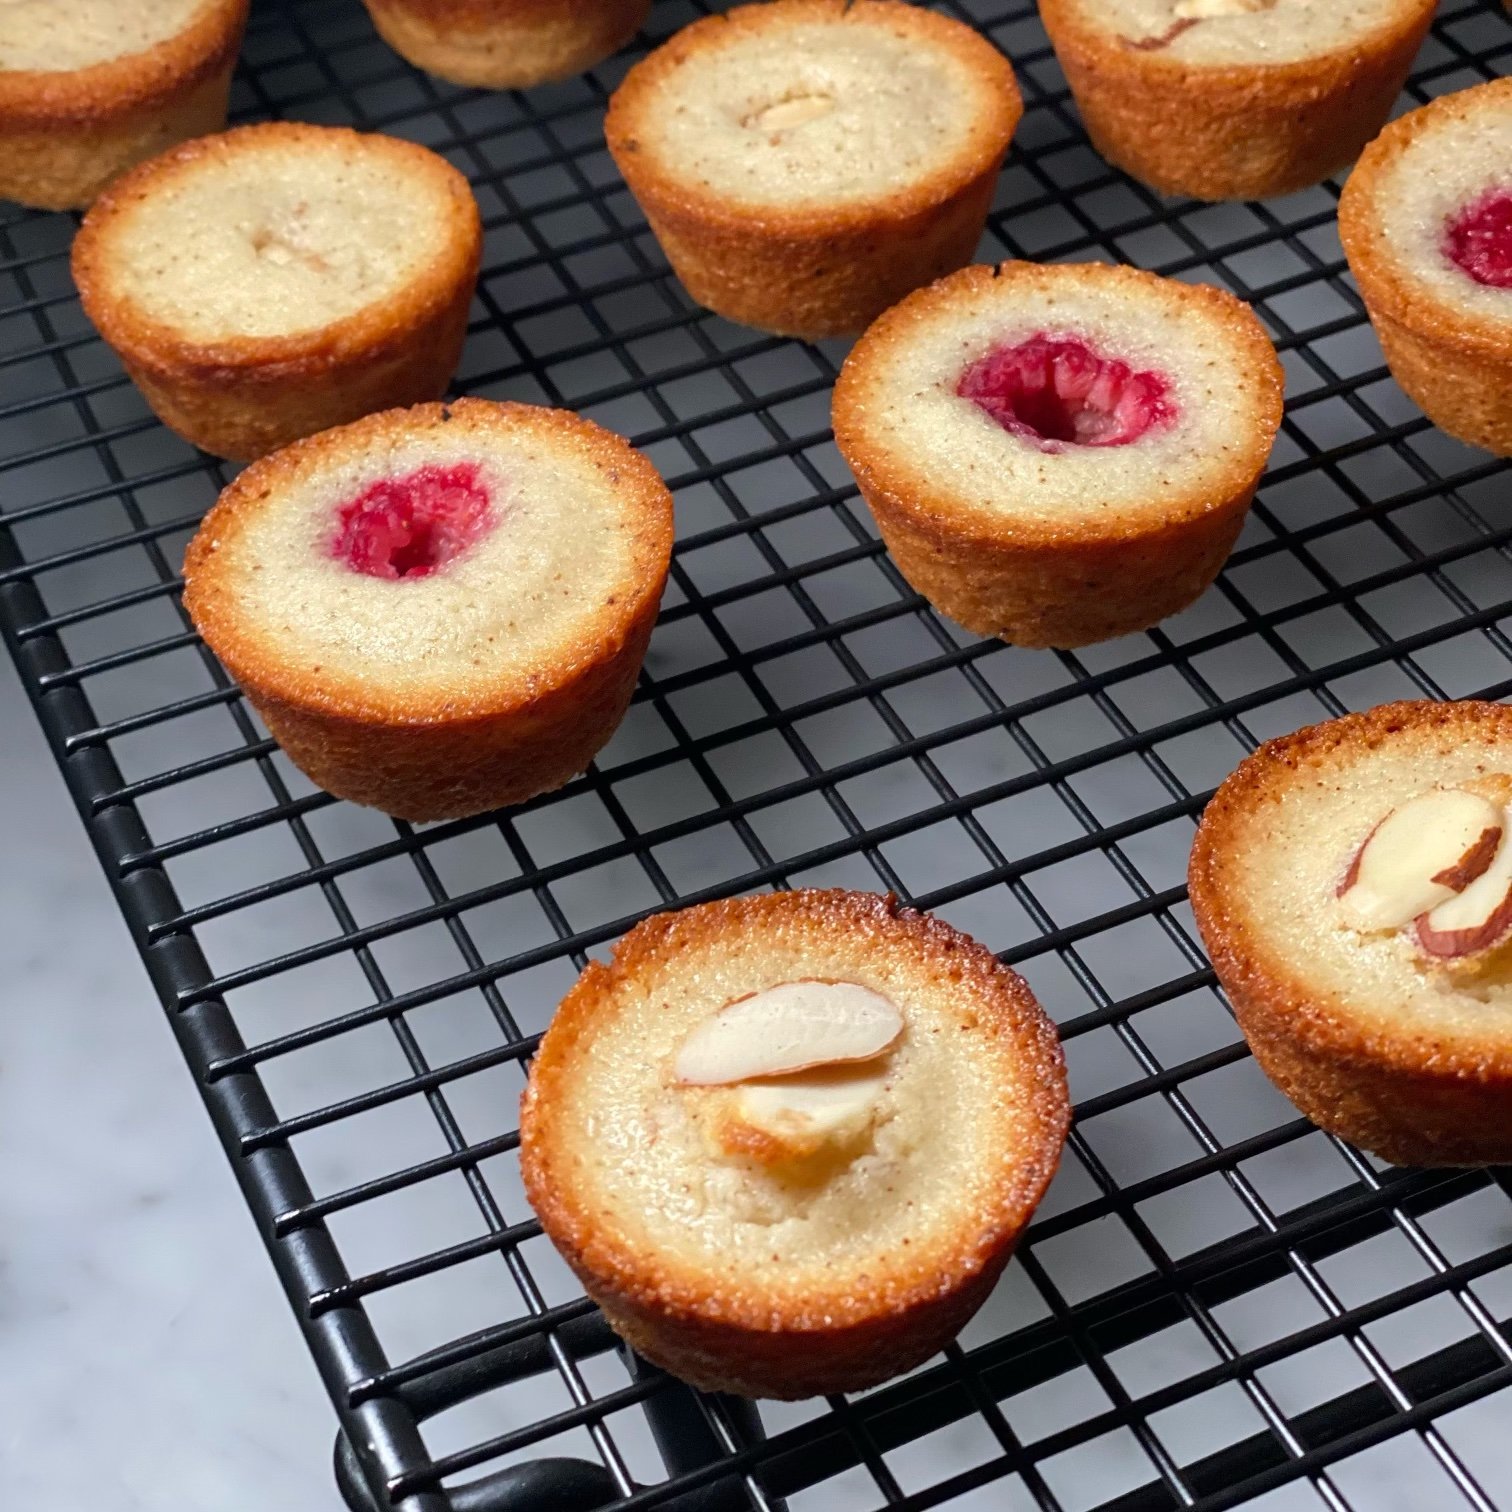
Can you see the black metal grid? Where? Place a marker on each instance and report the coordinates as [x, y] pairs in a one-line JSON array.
[[1218, 1305]]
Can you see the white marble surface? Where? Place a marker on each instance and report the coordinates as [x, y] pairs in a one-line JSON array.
[[148, 1361]]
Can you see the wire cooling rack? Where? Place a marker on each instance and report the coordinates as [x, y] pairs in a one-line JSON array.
[[1218, 1305]]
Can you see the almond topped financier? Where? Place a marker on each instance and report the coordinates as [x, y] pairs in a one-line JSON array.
[[89, 87], [506, 44], [804, 163], [269, 282], [1353, 883], [1234, 99], [1060, 454], [788, 1142], [1426, 222], [440, 610]]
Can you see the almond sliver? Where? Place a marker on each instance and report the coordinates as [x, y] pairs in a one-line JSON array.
[[791, 1027]]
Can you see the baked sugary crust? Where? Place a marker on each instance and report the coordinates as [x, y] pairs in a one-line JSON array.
[[489, 740], [1408, 1091], [815, 270], [753, 1333], [1455, 363], [1231, 131], [1062, 581], [65, 135], [506, 44], [243, 396]]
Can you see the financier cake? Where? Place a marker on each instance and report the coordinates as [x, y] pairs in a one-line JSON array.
[[1426, 222], [1353, 883], [506, 44], [440, 610], [89, 87], [1234, 99], [805, 163], [788, 1142], [278, 279], [1058, 455]]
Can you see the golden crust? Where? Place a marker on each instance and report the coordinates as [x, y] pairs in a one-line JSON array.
[[506, 44], [826, 270], [763, 1337], [1071, 581], [243, 396], [493, 742], [65, 135], [1230, 131], [1454, 363], [1399, 1090]]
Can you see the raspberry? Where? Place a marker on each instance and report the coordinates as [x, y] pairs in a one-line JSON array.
[[408, 527], [1479, 239], [1055, 391]]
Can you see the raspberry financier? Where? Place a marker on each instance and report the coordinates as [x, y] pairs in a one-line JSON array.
[[1426, 222], [1353, 883], [1058, 455], [804, 163], [441, 610], [278, 279], [787, 1142], [1234, 99], [89, 87]]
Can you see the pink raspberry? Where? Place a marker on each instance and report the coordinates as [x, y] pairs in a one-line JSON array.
[[1479, 239], [1055, 391], [408, 527]]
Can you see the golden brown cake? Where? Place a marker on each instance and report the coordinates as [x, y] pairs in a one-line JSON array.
[[1062, 454], [90, 87], [788, 1142], [805, 163], [279, 279], [506, 44], [1353, 883], [1234, 99], [440, 610], [1426, 222]]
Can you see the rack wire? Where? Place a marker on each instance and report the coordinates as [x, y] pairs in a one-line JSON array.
[[1218, 1305]]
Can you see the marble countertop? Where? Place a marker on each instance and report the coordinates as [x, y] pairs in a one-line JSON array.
[[151, 1363]]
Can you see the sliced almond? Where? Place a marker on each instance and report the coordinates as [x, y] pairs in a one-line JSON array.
[[1419, 856], [796, 110], [790, 1122], [1475, 920], [791, 1027]]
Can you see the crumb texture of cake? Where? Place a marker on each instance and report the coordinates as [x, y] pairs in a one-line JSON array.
[[804, 163], [789, 1230], [1218, 32], [437, 610], [1234, 99], [1426, 223], [280, 279], [57, 36], [88, 88], [1057, 454], [1353, 883], [506, 44]]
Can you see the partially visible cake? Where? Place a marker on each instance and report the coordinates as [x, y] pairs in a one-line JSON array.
[[788, 1142], [440, 610], [506, 44], [275, 280], [1353, 883], [90, 87], [1426, 222], [1059, 454], [805, 163], [1234, 99]]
